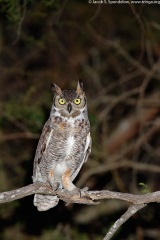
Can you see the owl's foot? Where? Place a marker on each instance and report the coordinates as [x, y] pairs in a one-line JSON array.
[[84, 192], [76, 191], [80, 195], [55, 186]]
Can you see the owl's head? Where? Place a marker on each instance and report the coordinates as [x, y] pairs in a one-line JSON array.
[[69, 103]]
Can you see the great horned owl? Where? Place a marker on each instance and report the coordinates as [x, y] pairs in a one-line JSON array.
[[64, 145]]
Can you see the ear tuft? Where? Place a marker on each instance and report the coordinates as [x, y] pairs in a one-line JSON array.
[[56, 89], [80, 87]]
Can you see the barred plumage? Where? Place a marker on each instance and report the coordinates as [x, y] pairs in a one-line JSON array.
[[64, 145]]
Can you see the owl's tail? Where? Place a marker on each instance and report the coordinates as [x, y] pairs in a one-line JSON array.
[[45, 202]]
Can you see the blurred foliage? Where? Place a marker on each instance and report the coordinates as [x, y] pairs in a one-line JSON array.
[[115, 50], [144, 188], [17, 109], [11, 9]]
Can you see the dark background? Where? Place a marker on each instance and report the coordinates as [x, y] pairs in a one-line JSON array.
[[114, 49]]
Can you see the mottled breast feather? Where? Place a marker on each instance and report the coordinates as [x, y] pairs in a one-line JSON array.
[[70, 151]]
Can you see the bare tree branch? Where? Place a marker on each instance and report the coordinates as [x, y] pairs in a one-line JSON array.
[[86, 197], [44, 189], [21, 21], [18, 135], [130, 211]]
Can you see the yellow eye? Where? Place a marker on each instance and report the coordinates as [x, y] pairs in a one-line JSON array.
[[62, 101], [77, 101]]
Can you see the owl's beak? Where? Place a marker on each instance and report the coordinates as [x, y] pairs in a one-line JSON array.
[[69, 107]]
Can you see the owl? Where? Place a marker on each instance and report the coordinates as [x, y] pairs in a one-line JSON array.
[[64, 145]]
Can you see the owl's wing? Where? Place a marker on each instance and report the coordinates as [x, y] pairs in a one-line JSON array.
[[87, 151], [42, 145]]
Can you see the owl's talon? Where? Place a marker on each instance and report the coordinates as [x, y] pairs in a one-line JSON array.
[[76, 191], [55, 186]]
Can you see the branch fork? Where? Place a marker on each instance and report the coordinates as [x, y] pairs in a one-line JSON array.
[[86, 197]]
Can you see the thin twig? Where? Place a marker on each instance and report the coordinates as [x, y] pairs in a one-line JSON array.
[[18, 135], [142, 26], [21, 22], [103, 168], [130, 212]]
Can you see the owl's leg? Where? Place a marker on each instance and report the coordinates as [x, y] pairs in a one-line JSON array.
[[66, 181], [55, 185], [53, 182], [62, 174]]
